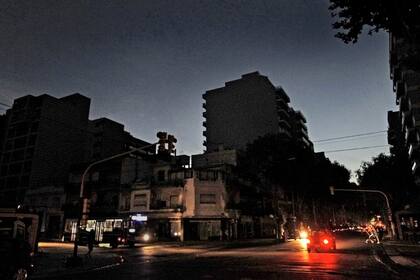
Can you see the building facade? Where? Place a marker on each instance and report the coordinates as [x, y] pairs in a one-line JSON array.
[[247, 108], [404, 125], [43, 137]]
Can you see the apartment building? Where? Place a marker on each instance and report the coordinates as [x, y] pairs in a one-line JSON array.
[[247, 108], [404, 125], [43, 137]]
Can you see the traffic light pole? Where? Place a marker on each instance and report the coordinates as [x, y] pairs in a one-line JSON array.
[[389, 212], [82, 188]]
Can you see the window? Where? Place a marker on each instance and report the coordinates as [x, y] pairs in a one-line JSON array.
[[6, 157], [27, 166], [140, 200], [174, 201], [161, 175], [32, 140], [15, 169], [3, 170], [207, 199], [188, 174], [30, 153], [20, 142], [9, 145], [24, 182], [208, 175], [17, 155]]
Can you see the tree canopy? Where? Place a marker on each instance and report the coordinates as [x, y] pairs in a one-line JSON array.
[[391, 174], [401, 17]]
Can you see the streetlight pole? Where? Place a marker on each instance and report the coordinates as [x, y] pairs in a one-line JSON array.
[[389, 212], [82, 187]]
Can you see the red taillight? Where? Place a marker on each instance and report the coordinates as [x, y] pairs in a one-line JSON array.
[[325, 241]]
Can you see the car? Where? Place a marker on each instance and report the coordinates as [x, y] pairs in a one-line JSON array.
[[118, 237], [322, 240]]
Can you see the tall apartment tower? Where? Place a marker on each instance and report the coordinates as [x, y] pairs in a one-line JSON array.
[[246, 109], [404, 125], [43, 136]]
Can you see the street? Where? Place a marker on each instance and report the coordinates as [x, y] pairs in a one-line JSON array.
[[353, 259]]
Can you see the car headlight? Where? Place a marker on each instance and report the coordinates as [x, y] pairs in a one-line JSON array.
[[146, 237]]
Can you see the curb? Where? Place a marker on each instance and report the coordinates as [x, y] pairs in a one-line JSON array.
[[398, 270]]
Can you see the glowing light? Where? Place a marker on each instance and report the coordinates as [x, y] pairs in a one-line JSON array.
[[132, 230], [325, 241], [139, 218], [146, 237], [303, 234]]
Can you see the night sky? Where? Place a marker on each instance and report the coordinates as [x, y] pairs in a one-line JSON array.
[[146, 64]]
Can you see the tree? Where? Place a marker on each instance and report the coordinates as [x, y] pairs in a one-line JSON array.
[[390, 174], [400, 17], [273, 163]]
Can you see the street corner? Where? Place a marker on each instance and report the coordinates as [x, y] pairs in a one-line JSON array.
[[397, 260], [48, 263]]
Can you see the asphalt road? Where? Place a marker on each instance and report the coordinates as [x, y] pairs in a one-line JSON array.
[[353, 259]]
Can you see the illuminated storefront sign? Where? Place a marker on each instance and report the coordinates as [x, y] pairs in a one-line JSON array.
[[139, 218]]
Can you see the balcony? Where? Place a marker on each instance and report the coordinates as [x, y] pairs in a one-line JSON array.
[[281, 104], [205, 133], [281, 94], [285, 133], [415, 167], [413, 151], [411, 135], [407, 119], [404, 103], [204, 106], [284, 124], [400, 89], [283, 114], [205, 124], [205, 115]]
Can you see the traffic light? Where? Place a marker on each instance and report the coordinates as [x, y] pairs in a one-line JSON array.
[[163, 139], [171, 144]]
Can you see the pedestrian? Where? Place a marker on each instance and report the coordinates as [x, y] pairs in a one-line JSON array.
[[90, 241]]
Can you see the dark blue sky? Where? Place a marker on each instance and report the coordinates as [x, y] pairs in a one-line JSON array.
[[147, 63]]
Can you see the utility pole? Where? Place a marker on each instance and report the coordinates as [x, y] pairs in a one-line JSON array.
[[314, 212]]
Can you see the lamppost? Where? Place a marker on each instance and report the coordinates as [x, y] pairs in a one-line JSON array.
[[85, 209], [389, 212]]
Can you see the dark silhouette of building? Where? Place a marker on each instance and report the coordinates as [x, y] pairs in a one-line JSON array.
[[403, 132], [43, 137], [108, 138], [246, 109]]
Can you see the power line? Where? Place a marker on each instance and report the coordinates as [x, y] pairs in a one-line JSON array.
[[356, 148], [340, 141], [350, 136], [6, 105]]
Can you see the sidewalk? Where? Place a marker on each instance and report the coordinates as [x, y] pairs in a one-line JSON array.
[[51, 258], [402, 257], [403, 253]]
